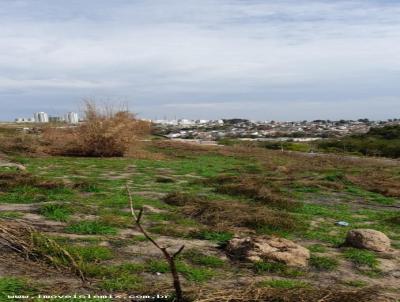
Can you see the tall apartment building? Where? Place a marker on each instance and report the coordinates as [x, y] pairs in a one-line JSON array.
[[41, 117], [72, 118]]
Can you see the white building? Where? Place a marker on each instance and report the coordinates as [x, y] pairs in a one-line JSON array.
[[72, 118], [41, 117]]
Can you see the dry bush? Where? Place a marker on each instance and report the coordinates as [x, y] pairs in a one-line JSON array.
[[253, 187], [10, 180], [20, 143], [224, 215], [104, 133], [378, 182]]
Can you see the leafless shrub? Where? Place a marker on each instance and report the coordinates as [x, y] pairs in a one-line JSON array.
[[104, 133]]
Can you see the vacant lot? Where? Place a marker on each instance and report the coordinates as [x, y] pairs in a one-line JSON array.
[[200, 197]]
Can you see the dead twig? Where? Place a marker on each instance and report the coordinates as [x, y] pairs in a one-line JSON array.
[[167, 255]]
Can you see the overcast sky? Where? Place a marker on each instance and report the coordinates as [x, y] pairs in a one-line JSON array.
[[259, 59]]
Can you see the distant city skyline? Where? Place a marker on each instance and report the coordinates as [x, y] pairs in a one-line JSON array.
[[203, 59]]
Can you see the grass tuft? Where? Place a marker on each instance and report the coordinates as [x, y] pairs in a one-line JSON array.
[[91, 228]]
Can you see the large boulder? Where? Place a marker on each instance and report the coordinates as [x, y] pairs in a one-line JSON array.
[[368, 239], [273, 249]]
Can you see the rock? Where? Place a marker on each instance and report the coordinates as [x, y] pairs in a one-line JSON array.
[[368, 239], [268, 249]]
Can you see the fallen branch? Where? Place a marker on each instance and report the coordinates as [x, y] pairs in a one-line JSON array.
[[167, 255]]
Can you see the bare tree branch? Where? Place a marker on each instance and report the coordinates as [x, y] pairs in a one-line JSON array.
[[170, 258]]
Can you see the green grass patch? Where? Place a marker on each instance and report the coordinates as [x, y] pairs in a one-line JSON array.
[[317, 248], [123, 282], [219, 237], [91, 253], [10, 286], [361, 257], [322, 263], [11, 214], [262, 267], [91, 228], [191, 273], [58, 212], [198, 258]]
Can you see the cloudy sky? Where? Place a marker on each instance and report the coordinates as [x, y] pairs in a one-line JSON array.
[[260, 59]]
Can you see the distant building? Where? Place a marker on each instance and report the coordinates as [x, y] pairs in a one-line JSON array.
[[24, 120], [41, 117], [56, 119], [72, 118]]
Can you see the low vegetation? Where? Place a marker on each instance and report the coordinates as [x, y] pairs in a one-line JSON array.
[[67, 218]]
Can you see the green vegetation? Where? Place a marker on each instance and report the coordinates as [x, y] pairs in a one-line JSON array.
[[91, 228], [356, 283], [219, 237], [323, 263], [361, 257], [194, 193], [58, 212], [382, 141], [90, 253], [191, 273], [262, 267], [10, 214], [14, 286], [317, 248], [198, 258]]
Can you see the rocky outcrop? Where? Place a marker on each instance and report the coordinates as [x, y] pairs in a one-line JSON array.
[[368, 239], [273, 249]]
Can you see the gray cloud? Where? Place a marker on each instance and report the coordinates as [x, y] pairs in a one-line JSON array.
[[201, 58]]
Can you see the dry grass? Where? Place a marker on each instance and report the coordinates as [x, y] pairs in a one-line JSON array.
[[105, 133], [379, 182], [27, 144], [255, 187], [254, 294], [10, 180], [24, 240], [225, 215]]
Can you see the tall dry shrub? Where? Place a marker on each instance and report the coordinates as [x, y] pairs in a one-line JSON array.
[[104, 133]]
